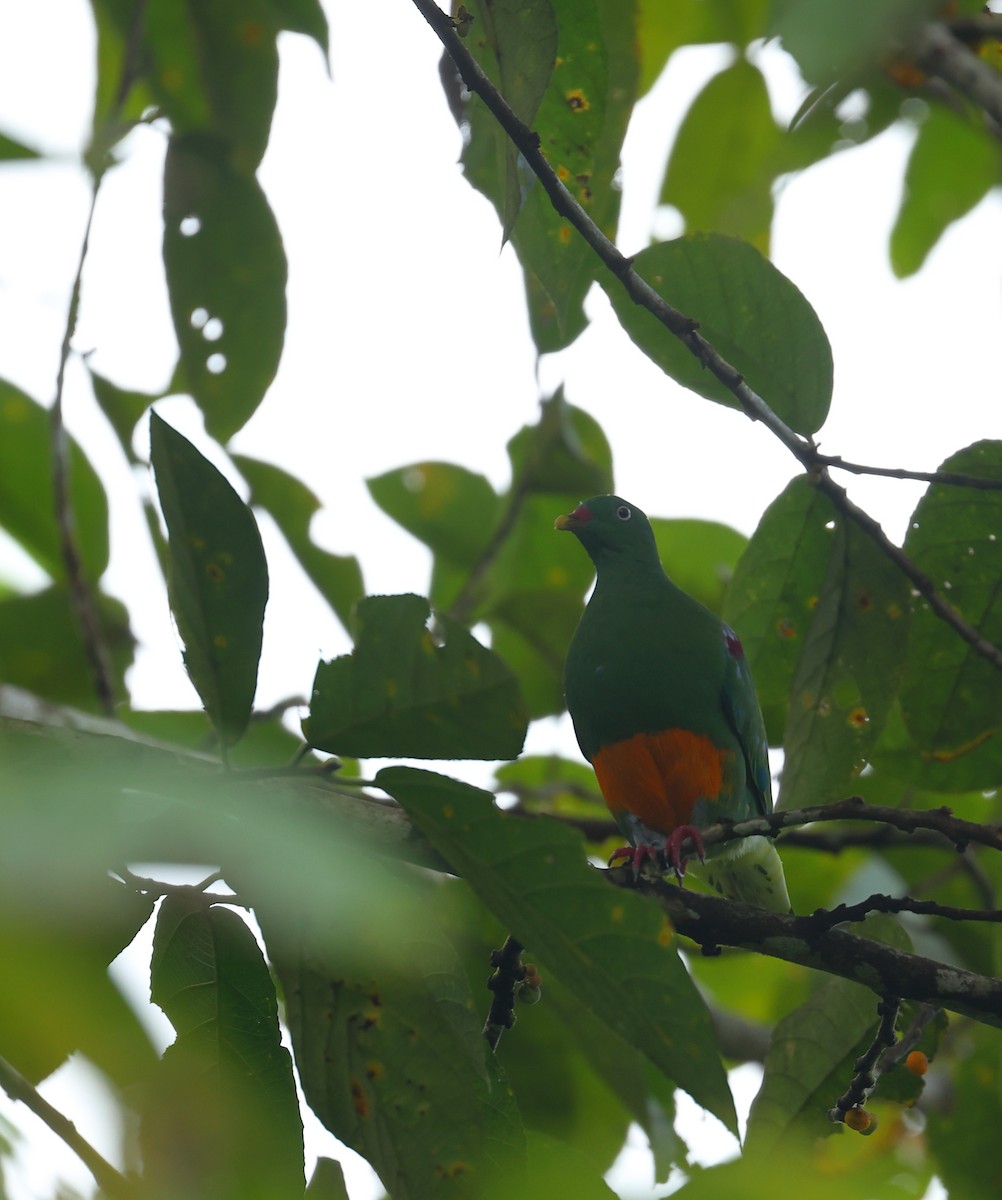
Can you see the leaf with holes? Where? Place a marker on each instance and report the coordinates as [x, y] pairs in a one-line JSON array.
[[748, 311], [218, 578], [226, 275], [951, 698], [610, 947], [406, 692]]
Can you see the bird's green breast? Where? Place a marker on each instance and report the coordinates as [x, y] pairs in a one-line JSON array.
[[645, 658]]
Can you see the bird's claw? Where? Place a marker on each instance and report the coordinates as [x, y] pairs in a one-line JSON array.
[[673, 848], [637, 855]]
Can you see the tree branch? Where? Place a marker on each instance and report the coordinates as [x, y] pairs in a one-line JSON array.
[[939, 53], [949, 478], [885, 970], [108, 1179], [685, 328]]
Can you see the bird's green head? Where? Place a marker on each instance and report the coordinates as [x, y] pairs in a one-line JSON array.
[[612, 530]]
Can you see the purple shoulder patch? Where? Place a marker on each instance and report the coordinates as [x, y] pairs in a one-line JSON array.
[[733, 643]]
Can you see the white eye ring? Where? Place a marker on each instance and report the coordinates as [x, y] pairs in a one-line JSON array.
[[624, 513]]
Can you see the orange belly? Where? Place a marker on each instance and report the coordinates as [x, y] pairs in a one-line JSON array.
[[659, 777]]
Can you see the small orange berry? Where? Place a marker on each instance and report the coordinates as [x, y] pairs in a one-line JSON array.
[[917, 1062], [859, 1120]]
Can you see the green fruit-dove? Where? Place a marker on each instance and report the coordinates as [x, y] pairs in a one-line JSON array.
[[664, 708]]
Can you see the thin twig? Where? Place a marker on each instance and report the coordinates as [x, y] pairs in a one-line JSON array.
[[684, 327], [847, 913], [865, 1070], [948, 478], [81, 596], [108, 1179], [465, 602]]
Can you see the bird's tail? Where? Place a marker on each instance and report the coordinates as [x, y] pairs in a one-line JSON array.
[[751, 872]]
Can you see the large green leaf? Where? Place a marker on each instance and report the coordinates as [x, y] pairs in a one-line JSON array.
[[952, 165], [753, 315], [391, 1055], [227, 1096], [849, 670], [226, 275], [610, 948], [774, 592], [292, 505], [41, 648], [407, 692], [952, 697], [720, 171], [25, 466], [665, 28], [218, 578], [700, 556]]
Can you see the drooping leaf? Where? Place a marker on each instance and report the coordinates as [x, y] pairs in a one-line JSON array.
[[724, 158], [951, 694], [610, 948], [25, 460], [406, 692], [292, 505], [947, 148], [225, 1121], [754, 316], [391, 1055], [42, 650], [774, 592], [218, 578], [849, 670], [226, 275]]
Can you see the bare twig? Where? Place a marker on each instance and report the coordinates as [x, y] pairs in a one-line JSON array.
[[684, 327], [949, 478], [865, 1070], [938, 52], [81, 597], [110, 1180], [844, 913]]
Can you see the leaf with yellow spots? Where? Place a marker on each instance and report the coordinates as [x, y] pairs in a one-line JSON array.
[[404, 693], [218, 578], [605, 946]]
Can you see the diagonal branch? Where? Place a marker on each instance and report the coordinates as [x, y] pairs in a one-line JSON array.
[[685, 328]]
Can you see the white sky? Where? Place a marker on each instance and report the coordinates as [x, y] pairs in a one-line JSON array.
[[407, 336]]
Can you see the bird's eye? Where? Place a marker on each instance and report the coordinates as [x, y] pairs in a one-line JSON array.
[[624, 513]]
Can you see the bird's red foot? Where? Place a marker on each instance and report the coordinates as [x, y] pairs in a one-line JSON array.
[[637, 855], [673, 847]]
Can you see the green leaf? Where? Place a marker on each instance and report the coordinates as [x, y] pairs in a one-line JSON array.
[[218, 578], [754, 316], [564, 452], [581, 122], [41, 648], [227, 1088], [952, 165], [306, 17], [700, 556], [950, 696], [391, 1055], [960, 1138], [404, 692], [774, 592], [12, 150], [327, 1181], [449, 508], [291, 504], [226, 275], [723, 161], [266, 743], [608, 947], [25, 463], [123, 408], [557, 1170], [663, 28], [847, 677], [830, 41]]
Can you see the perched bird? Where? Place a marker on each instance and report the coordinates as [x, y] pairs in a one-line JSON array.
[[664, 708]]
